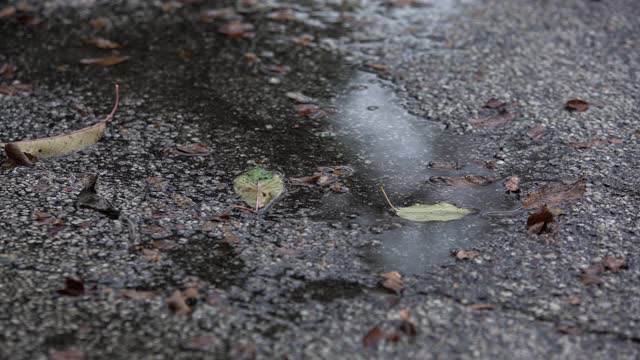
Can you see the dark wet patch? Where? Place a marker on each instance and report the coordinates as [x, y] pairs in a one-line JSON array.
[[327, 291], [211, 261]]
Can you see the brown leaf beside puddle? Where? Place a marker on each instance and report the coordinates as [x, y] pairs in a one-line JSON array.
[[139, 295], [538, 222], [102, 43], [461, 254], [72, 287], [445, 165], [513, 184], [104, 61], [555, 193], [392, 281], [536, 132], [577, 105], [504, 117], [494, 103], [177, 303], [236, 30], [462, 181]]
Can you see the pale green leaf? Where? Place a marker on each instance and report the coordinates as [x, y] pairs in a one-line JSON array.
[[259, 187], [437, 212]]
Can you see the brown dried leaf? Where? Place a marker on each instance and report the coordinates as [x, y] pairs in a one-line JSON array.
[[44, 218], [555, 193], [7, 11], [373, 337], [500, 119], [177, 303], [494, 103], [17, 157], [577, 105], [538, 222], [513, 184], [614, 264], [445, 165], [461, 254], [338, 188], [102, 43], [151, 255], [378, 67], [104, 61], [197, 149], [236, 30], [482, 306], [72, 287], [536, 132], [392, 280], [462, 181], [66, 354]]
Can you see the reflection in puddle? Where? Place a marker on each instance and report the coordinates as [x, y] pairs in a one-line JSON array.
[[390, 147]]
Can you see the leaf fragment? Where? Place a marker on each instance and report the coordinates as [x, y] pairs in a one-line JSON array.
[[102, 43], [461, 254], [104, 61], [539, 222], [577, 105], [89, 198], [67, 143], [177, 303], [504, 117], [392, 281], [555, 193], [258, 187], [197, 149], [16, 156]]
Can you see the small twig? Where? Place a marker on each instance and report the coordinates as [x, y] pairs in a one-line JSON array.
[[386, 197]]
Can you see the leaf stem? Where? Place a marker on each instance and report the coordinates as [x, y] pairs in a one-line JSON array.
[[387, 198]]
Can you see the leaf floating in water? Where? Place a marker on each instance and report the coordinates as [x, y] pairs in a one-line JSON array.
[[422, 213], [258, 187], [66, 143]]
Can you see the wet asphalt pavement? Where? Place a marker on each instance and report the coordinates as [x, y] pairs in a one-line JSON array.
[[393, 88]]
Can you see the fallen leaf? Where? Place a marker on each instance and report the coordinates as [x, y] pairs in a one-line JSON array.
[[16, 156], [66, 143], [72, 287], [392, 280], [198, 149], [7, 11], [461, 254], [151, 255], [536, 132], [577, 105], [89, 198], [304, 40], [461, 181], [7, 70], [590, 275], [47, 219], [250, 58], [14, 89], [555, 193], [445, 165], [104, 61], [100, 23], [378, 67], [373, 337], [102, 43], [614, 264], [482, 306], [538, 222], [504, 117], [494, 104], [210, 15], [236, 30], [66, 355], [300, 98], [177, 303], [259, 188], [437, 212], [338, 188], [513, 184], [139, 295]]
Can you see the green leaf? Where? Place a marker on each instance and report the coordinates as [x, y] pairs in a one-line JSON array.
[[259, 187], [437, 212]]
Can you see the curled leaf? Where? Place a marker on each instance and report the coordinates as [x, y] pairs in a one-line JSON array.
[[66, 143]]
